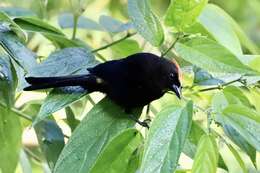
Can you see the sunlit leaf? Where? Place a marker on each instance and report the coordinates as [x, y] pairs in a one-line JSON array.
[[245, 121], [206, 157], [166, 139], [211, 56], [238, 158], [220, 28], [121, 148], [145, 21], [183, 13], [104, 122], [10, 139]]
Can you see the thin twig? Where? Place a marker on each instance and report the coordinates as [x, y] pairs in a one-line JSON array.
[[75, 24], [172, 45], [34, 156], [219, 87], [114, 42], [20, 114]]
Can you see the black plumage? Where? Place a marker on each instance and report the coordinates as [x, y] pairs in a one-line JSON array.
[[131, 82]]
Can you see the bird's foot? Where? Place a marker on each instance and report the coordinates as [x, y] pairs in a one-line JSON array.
[[144, 123]]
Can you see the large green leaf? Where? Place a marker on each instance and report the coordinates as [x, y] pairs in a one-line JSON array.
[[31, 24], [245, 121], [211, 56], [10, 139], [34, 24], [206, 157], [105, 121], [219, 103], [65, 62], [183, 13], [17, 51], [145, 21], [220, 28], [192, 142], [71, 61], [7, 81], [228, 20], [51, 140], [120, 148], [166, 139], [238, 158]]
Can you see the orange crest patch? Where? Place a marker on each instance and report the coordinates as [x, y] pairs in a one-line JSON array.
[[178, 69]]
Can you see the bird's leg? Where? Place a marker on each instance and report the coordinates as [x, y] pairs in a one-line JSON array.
[[148, 119], [142, 123]]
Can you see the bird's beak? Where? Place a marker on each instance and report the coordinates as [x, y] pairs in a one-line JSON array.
[[176, 90]]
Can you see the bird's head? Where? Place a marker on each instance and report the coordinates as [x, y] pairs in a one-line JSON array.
[[172, 77]]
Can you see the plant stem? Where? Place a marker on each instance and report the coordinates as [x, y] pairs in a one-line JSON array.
[[113, 43], [219, 87], [20, 114], [172, 45], [75, 24]]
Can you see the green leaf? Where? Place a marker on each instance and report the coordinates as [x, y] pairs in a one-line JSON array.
[[166, 139], [66, 21], [145, 21], [51, 140], [112, 25], [243, 38], [71, 61], [70, 118], [240, 141], [7, 81], [33, 24], [17, 51], [213, 20], [238, 158], [206, 157], [183, 13], [4, 18], [245, 121], [235, 95], [25, 163], [105, 121], [10, 140], [192, 142], [209, 55], [201, 77], [219, 103], [125, 48], [121, 148]]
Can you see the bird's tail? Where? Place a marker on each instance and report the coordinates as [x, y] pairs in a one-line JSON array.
[[61, 81]]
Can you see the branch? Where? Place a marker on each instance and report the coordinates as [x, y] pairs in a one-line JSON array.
[[173, 44], [113, 43], [219, 87]]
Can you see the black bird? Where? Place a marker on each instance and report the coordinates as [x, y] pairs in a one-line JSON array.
[[132, 82]]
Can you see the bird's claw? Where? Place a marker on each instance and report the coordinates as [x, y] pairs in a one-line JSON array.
[[144, 124]]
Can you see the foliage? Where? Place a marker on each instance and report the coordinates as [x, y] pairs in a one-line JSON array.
[[216, 124]]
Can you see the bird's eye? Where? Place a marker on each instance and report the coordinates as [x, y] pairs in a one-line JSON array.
[[171, 75]]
